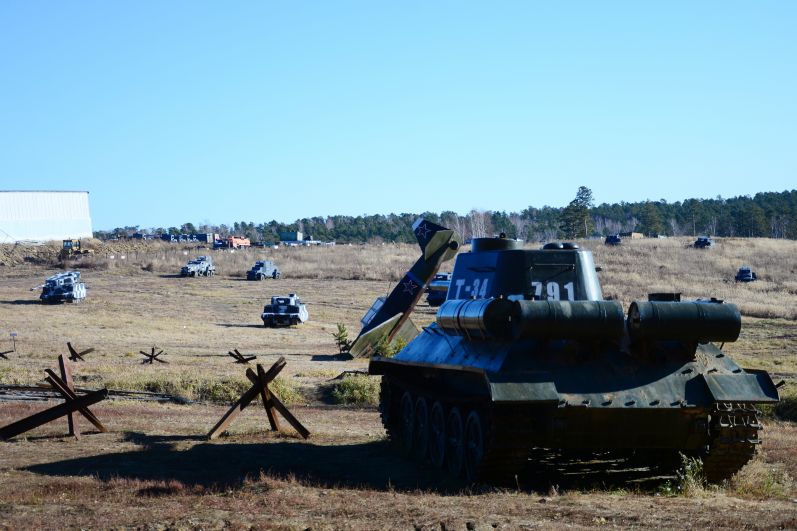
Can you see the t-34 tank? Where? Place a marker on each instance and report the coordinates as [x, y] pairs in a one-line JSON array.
[[525, 354]]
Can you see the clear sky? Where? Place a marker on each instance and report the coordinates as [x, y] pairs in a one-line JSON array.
[[176, 111]]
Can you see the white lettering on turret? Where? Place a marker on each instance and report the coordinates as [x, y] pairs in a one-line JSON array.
[[553, 291], [459, 283]]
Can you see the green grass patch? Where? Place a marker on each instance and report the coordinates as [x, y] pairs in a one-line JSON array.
[[221, 391], [357, 390]]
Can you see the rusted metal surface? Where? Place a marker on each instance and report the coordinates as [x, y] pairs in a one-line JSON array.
[[240, 358], [271, 403], [69, 386], [74, 355], [49, 415], [69, 394], [151, 357], [65, 387]]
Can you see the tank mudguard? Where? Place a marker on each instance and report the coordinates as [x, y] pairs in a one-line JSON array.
[[752, 386], [439, 348]]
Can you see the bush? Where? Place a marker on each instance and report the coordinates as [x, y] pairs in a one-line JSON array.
[[786, 409], [224, 391], [357, 390], [388, 349], [690, 480]]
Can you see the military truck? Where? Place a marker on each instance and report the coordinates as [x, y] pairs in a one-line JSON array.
[[284, 311], [63, 287], [613, 239], [437, 289], [262, 270], [526, 355], [200, 266]]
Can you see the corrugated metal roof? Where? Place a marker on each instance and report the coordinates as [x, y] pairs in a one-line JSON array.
[[44, 215]]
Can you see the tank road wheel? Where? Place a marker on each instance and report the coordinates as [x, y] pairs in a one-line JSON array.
[[455, 432], [407, 420], [421, 434], [437, 435], [474, 446]]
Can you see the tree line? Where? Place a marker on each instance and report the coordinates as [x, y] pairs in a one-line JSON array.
[[767, 214]]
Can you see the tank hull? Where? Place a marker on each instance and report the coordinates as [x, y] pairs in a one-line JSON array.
[[574, 395]]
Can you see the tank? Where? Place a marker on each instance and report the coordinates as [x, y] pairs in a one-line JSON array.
[[437, 289], [526, 355], [262, 270], [200, 266], [63, 287], [284, 311]]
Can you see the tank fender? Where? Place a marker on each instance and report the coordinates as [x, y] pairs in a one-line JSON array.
[[752, 386]]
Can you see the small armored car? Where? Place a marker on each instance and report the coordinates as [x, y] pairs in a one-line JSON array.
[[262, 270], [284, 311], [438, 287], [746, 274], [63, 287], [613, 239], [201, 266], [703, 242]]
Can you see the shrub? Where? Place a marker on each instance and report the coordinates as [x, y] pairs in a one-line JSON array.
[[342, 338], [689, 481], [388, 349], [357, 390]]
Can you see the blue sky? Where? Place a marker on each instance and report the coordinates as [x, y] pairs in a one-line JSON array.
[[169, 112]]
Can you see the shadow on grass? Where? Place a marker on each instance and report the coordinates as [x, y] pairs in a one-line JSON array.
[[376, 465], [172, 276], [239, 325], [22, 301], [227, 465], [332, 357]]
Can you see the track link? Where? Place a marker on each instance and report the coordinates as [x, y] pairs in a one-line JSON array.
[[734, 436]]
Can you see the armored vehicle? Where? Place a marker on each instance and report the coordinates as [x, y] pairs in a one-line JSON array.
[[200, 266], [63, 287], [437, 289], [284, 311], [263, 269], [613, 239], [526, 354], [703, 242], [745, 274]]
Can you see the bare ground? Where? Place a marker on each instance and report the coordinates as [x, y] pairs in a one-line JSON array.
[[154, 469]]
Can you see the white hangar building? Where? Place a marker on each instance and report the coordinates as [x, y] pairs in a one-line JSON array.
[[43, 215]]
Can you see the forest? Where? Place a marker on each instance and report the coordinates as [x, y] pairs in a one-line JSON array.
[[765, 215]]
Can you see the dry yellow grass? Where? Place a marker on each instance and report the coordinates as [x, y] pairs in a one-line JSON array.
[[154, 468]]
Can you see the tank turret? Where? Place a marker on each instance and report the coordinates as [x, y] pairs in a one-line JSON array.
[[525, 354]]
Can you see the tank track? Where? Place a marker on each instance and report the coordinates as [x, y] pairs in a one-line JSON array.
[[733, 434], [501, 462]]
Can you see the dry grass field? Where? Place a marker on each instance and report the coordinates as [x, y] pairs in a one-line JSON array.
[[154, 469]]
